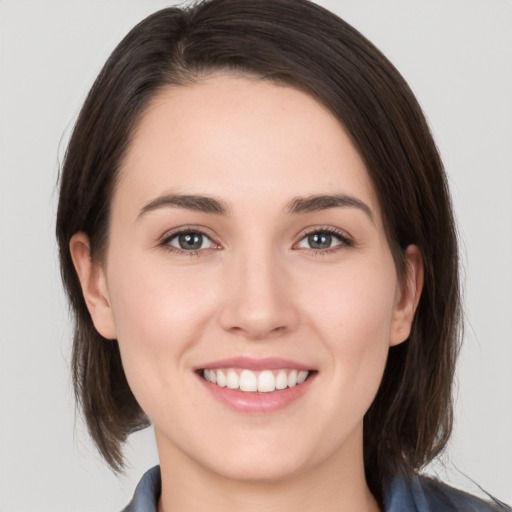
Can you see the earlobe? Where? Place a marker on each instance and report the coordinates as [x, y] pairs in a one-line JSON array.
[[408, 297], [94, 286]]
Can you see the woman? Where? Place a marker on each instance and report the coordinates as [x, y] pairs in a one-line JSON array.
[[257, 240]]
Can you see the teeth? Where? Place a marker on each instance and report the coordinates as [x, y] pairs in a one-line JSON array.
[[281, 380], [233, 382], [266, 381], [301, 377], [248, 381], [210, 375], [292, 379], [221, 378]]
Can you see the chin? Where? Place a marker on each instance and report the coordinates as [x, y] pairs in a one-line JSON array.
[[259, 472], [260, 462]]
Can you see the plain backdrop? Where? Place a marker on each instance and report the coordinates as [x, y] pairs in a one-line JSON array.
[[457, 57]]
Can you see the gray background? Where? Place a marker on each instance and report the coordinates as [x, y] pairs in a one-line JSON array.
[[457, 57]]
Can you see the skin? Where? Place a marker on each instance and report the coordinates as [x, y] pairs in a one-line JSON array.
[[258, 289]]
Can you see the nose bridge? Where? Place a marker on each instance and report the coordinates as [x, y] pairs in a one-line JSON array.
[[258, 302]]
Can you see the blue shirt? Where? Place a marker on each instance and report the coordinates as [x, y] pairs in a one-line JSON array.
[[419, 494]]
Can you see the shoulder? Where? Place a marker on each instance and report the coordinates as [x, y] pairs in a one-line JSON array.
[[414, 494], [147, 493], [425, 494]]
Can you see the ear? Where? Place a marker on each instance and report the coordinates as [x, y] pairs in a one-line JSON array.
[[94, 285], [408, 296]]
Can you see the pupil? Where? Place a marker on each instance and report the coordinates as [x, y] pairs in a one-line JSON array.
[[191, 241], [319, 241]]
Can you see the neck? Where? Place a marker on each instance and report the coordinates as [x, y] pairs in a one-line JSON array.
[[332, 485]]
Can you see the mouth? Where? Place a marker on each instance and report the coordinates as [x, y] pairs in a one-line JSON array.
[[256, 385], [255, 381]]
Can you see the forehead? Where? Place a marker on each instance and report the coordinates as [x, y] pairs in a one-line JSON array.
[[240, 138]]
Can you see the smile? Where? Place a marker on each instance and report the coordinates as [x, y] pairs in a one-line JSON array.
[[249, 381]]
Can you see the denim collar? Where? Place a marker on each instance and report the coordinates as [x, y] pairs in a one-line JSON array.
[[414, 494]]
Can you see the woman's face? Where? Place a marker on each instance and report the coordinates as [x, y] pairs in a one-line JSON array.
[[246, 240]]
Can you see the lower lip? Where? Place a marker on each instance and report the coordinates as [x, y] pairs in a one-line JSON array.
[[258, 403]]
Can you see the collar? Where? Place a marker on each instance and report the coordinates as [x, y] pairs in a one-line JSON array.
[[414, 494]]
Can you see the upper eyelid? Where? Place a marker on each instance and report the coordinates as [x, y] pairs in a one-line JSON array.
[[164, 242], [324, 229], [172, 233]]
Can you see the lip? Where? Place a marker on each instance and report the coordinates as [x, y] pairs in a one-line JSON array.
[[251, 363], [255, 402]]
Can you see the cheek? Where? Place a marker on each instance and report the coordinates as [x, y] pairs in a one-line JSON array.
[[157, 304], [353, 316], [158, 317], [354, 304]]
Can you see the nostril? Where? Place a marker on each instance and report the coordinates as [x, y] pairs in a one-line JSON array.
[[258, 332]]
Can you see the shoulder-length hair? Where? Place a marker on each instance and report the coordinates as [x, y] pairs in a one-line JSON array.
[[300, 44]]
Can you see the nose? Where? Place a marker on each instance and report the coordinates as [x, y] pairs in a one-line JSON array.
[[259, 299]]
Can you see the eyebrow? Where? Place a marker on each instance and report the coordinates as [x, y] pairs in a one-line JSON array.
[[324, 202], [298, 205], [196, 203]]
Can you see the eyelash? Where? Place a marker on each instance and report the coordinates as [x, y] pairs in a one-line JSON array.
[[341, 236], [169, 237]]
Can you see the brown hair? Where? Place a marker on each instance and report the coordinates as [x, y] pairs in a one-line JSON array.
[[301, 44]]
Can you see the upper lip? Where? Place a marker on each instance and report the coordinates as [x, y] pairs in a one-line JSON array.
[[251, 363]]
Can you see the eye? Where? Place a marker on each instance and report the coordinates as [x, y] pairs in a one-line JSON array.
[[323, 240], [189, 241]]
